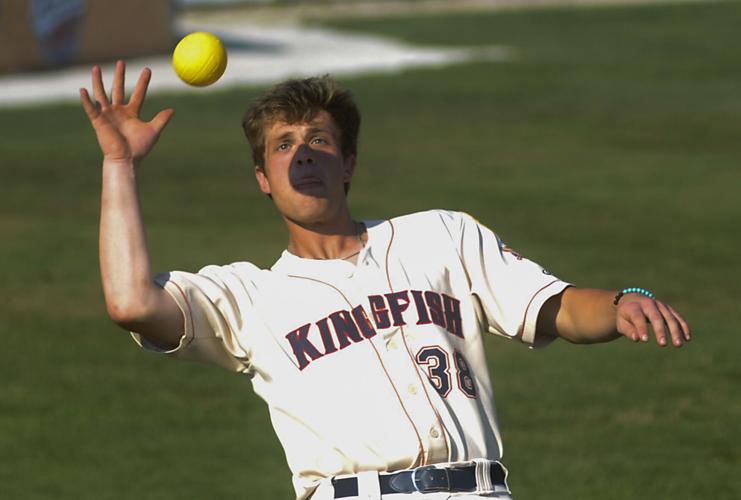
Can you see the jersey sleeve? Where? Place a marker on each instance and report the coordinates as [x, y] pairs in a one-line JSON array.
[[216, 304], [510, 289]]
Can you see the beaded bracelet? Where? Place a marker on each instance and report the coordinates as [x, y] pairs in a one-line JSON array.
[[634, 289]]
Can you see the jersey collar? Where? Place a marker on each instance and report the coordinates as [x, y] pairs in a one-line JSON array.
[[371, 254]]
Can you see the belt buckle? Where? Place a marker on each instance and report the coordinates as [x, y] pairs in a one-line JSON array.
[[430, 479]]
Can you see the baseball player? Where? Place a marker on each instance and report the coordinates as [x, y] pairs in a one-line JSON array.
[[365, 337]]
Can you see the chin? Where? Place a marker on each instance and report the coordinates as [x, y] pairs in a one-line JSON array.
[[309, 214]]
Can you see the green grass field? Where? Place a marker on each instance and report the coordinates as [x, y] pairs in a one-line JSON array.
[[609, 150]]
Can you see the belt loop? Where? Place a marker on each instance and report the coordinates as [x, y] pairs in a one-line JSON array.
[[483, 476], [368, 486]]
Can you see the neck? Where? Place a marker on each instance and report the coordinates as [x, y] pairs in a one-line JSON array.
[[342, 239]]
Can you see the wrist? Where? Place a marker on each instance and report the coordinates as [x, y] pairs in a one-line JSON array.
[[120, 164], [632, 290], [119, 172]]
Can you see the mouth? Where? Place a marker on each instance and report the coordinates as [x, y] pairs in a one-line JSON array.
[[306, 182]]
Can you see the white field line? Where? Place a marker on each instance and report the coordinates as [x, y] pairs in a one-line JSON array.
[[262, 51], [257, 55], [267, 14]]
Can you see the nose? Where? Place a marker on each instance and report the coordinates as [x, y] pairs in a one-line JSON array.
[[304, 155]]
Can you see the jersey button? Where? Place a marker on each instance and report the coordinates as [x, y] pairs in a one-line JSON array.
[[412, 389], [391, 345], [435, 433]]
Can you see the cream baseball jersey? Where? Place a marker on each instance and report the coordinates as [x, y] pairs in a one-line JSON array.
[[373, 365]]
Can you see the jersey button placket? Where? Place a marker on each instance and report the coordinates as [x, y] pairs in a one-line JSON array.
[[403, 377], [435, 444]]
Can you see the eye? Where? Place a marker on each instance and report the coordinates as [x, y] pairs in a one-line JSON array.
[[284, 146], [319, 140]]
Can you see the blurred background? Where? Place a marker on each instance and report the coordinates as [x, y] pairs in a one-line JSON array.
[[599, 138]]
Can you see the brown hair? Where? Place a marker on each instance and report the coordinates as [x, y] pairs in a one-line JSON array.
[[298, 101]]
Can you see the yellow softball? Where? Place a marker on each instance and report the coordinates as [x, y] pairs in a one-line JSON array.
[[199, 59]]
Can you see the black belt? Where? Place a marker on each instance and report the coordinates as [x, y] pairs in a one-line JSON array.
[[426, 479]]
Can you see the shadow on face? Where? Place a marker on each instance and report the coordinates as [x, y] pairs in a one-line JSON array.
[[319, 173]]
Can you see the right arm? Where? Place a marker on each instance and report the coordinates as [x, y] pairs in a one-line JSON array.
[[132, 299]]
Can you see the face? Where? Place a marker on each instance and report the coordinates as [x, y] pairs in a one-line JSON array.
[[305, 171]]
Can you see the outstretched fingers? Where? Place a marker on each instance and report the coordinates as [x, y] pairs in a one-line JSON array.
[[90, 109], [161, 119], [140, 91], [119, 77], [98, 89]]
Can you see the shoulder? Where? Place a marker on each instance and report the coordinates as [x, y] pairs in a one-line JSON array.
[[242, 269], [436, 229], [433, 216], [236, 275], [448, 222]]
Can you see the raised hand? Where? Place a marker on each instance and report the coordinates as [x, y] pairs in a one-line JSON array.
[[122, 134]]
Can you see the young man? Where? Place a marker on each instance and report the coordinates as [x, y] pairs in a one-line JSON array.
[[365, 337]]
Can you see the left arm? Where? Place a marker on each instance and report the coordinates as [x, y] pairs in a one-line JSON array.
[[587, 316]]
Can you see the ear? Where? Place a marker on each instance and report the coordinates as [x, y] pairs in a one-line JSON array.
[[349, 168], [262, 180]]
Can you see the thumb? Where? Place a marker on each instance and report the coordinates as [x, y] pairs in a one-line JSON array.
[[161, 119]]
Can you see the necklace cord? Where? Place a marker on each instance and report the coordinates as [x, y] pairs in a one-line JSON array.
[[358, 225]]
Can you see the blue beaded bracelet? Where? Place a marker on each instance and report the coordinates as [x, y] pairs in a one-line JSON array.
[[634, 289]]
